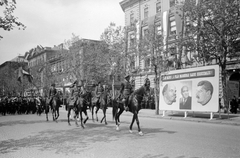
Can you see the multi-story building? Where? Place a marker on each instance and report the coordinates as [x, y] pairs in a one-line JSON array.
[[9, 84], [42, 65], [144, 13], [164, 15]]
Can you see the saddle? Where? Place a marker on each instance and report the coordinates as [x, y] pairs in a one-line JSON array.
[[71, 102]]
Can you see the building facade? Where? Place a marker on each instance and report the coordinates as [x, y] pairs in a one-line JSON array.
[[165, 16]]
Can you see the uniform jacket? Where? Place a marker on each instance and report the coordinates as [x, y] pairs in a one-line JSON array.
[[186, 104], [98, 91], [52, 92], [126, 89]]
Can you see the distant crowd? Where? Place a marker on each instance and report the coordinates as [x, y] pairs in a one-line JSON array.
[[21, 105]]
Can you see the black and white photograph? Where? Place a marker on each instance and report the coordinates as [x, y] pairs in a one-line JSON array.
[[119, 78]]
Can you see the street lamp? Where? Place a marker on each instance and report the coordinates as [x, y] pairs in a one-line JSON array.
[[113, 71]]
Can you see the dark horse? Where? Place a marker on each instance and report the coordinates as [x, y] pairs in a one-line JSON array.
[[82, 104], [135, 100], [54, 105], [102, 104]]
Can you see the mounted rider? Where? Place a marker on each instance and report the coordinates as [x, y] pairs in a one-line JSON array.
[[126, 90], [98, 92], [52, 94], [74, 94]]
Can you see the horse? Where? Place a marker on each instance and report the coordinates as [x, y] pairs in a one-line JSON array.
[[102, 104], [135, 100], [54, 105], [81, 105]]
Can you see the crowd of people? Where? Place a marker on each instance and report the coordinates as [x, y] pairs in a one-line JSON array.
[[36, 104], [20, 105], [234, 105]]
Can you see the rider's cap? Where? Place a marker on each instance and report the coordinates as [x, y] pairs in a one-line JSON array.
[[53, 84]]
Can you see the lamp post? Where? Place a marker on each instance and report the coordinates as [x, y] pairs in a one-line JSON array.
[[113, 68]]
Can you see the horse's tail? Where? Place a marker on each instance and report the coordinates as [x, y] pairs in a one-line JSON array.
[[114, 109]]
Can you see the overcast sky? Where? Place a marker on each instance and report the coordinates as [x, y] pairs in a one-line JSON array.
[[50, 22]]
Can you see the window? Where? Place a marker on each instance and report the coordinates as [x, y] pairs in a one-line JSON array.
[[131, 18], [173, 29], [145, 12], [132, 62], [158, 7], [172, 51], [132, 40], [172, 3], [159, 30], [147, 63], [119, 78], [145, 32]]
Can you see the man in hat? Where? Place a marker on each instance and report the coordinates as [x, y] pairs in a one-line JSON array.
[[126, 90], [52, 93], [98, 92], [74, 93]]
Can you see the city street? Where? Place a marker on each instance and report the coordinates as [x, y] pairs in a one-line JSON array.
[[31, 136]]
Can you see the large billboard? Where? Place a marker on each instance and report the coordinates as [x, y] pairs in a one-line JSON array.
[[193, 89]]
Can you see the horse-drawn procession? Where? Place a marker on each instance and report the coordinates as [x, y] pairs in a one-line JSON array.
[[81, 99]]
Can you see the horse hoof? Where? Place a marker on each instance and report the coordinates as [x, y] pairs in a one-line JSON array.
[[130, 131], [140, 133], [69, 124], [117, 127], [106, 123]]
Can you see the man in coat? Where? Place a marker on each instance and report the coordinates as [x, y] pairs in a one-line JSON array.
[[186, 100], [98, 92], [126, 90], [52, 94], [74, 93]]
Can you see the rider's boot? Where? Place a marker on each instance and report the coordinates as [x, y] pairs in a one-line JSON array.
[[125, 106]]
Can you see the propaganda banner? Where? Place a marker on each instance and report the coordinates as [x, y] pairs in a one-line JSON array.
[[193, 89]]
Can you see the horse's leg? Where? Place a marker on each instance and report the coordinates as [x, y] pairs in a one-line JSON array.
[[46, 116], [57, 112], [46, 112], [68, 115], [138, 124], [133, 120], [92, 109], [85, 112], [81, 118], [104, 116], [75, 116], [118, 117], [53, 113], [97, 108]]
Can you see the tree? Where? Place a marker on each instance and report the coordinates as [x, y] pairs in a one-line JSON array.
[[86, 58], [114, 41], [9, 21], [213, 33], [151, 48]]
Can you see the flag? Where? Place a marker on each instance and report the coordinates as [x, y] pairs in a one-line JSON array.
[[22, 73]]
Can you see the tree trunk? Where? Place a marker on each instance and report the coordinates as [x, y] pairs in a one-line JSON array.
[[156, 96]]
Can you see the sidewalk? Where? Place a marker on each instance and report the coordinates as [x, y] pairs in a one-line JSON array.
[[231, 119], [223, 118]]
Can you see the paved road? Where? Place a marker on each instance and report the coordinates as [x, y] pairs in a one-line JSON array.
[[31, 136]]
